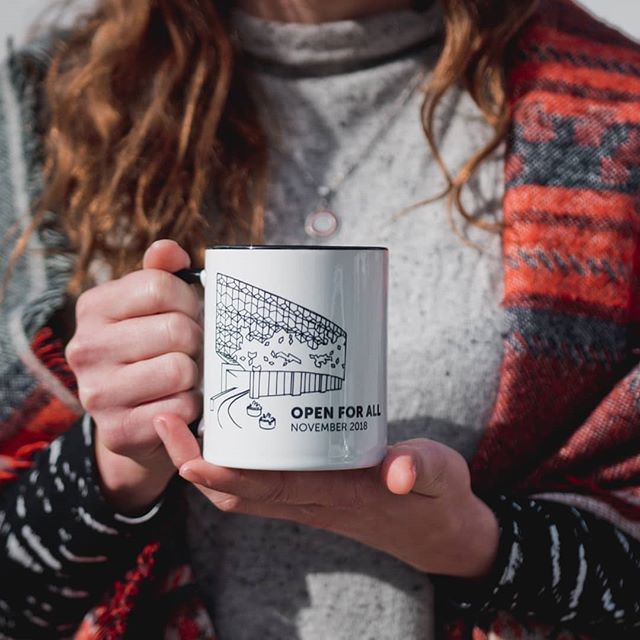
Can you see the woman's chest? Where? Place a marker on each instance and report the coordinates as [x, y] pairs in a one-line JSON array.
[[445, 320]]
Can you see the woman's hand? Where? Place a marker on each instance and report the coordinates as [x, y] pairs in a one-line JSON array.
[[417, 505], [135, 352]]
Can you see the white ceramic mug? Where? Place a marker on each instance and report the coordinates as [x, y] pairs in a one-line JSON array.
[[295, 357]]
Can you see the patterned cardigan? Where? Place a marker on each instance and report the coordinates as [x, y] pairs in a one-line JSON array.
[[566, 421]]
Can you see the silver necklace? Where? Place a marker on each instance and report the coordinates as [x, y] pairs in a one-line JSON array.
[[322, 221]]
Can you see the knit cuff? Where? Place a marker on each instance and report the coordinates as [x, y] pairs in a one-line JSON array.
[[471, 595], [62, 494], [65, 544], [146, 516]]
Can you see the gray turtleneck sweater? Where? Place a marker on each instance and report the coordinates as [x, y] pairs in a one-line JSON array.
[[326, 90]]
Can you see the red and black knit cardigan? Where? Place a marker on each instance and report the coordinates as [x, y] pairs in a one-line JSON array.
[[566, 421]]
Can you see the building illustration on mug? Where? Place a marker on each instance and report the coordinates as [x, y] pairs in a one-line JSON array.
[[270, 346]]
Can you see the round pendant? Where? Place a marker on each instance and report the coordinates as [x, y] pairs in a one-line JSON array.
[[321, 223]]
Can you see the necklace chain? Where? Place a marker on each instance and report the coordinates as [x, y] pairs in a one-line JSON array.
[[327, 190]]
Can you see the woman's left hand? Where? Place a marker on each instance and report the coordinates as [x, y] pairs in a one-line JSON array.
[[417, 505]]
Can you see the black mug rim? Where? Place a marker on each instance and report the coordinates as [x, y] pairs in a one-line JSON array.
[[297, 247]]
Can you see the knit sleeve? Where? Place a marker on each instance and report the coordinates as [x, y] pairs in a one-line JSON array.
[[558, 565], [64, 545]]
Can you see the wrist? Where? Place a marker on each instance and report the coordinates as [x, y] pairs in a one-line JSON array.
[[473, 540], [131, 486]]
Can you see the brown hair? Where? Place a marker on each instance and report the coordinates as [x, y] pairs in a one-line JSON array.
[[150, 115]]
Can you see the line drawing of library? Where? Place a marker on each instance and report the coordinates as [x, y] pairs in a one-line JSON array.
[[271, 346]]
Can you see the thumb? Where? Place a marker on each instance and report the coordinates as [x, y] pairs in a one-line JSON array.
[[179, 442], [166, 255], [425, 467]]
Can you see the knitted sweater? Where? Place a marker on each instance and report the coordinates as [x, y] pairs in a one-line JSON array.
[[562, 424], [325, 91]]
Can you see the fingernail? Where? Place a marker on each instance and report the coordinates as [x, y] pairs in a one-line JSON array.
[[413, 465], [411, 473], [413, 470], [161, 427], [187, 473]]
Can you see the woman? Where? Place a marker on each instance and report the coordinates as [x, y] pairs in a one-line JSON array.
[[160, 120]]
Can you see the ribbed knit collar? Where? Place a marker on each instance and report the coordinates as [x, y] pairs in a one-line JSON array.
[[360, 42]]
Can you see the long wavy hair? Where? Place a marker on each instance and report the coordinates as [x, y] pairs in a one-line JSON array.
[[151, 122]]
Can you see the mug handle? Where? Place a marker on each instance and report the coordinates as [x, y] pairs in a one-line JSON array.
[[191, 276]]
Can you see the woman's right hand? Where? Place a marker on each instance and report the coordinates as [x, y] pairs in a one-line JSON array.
[[135, 355]]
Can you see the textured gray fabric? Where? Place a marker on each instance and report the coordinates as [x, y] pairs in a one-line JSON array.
[[270, 579]]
